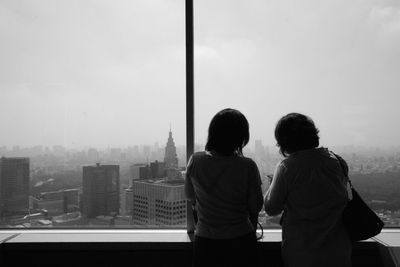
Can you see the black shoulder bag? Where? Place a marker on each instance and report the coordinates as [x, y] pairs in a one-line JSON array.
[[360, 221]]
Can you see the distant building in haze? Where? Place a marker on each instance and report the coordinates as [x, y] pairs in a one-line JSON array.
[[157, 169], [14, 186], [93, 155], [100, 190], [170, 158], [57, 202], [259, 150], [128, 201], [140, 171]]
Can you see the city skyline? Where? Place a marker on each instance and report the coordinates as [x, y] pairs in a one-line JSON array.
[[151, 194], [198, 146]]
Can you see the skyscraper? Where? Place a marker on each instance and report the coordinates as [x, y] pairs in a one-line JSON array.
[[14, 186], [100, 190], [170, 158]]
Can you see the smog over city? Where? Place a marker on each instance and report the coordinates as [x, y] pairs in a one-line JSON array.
[[93, 88]]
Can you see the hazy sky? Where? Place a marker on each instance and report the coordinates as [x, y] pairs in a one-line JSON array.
[[112, 73]]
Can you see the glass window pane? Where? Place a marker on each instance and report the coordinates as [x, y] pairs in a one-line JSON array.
[[86, 82], [336, 61]]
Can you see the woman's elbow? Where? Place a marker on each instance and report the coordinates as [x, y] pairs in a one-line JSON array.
[[189, 194], [272, 210], [255, 207], [260, 204], [190, 198]]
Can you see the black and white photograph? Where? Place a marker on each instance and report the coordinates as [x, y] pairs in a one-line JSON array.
[[200, 133]]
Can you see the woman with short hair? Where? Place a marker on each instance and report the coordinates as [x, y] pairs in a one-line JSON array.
[[309, 186], [226, 187]]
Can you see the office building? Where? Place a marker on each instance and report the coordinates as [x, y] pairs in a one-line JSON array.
[[157, 169], [100, 190], [140, 171], [159, 202], [128, 201], [57, 202], [14, 186]]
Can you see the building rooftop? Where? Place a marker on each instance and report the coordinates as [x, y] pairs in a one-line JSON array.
[[14, 158], [162, 181], [67, 217]]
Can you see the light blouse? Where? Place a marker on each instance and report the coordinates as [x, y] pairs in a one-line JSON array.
[[310, 187]]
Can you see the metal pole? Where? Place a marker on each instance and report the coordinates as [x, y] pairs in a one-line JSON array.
[[189, 99]]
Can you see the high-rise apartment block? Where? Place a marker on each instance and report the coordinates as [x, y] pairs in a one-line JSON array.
[[100, 190], [14, 186], [159, 202]]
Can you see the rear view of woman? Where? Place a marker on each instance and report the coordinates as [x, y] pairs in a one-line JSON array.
[[310, 187], [226, 187]]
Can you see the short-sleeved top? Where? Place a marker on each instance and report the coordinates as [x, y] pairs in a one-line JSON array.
[[310, 185], [227, 190]]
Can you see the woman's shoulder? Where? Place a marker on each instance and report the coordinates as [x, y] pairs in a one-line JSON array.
[[200, 155], [196, 160], [245, 163], [307, 155], [248, 161], [321, 157], [206, 156]]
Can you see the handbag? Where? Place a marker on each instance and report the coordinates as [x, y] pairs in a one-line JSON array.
[[254, 221], [359, 220]]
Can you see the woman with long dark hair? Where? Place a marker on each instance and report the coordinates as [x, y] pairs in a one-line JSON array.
[[226, 187], [309, 186]]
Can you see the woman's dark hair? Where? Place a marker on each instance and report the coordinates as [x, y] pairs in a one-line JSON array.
[[295, 132], [228, 132]]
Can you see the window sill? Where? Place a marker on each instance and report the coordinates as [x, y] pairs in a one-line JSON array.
[[388, 237], [105, 244]]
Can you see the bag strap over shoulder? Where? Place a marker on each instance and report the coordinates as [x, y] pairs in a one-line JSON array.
[[343, 169]]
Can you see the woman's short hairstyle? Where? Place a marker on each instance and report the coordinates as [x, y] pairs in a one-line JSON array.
[[295, 132], [228, 132]]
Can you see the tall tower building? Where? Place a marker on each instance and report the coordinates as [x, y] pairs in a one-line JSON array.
[[170, 158], [100, 190], [14, 186]]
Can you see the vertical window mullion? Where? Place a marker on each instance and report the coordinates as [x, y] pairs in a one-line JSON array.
[[189, 98]]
